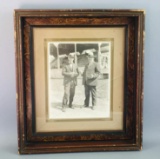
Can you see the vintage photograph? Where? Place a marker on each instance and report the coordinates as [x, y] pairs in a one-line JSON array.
[[79, 79]]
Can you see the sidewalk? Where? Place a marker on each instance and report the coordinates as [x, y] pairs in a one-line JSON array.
[[102, 109]]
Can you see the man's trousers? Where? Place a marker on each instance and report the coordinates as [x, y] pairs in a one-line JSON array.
[[69, 92], [90, 90]]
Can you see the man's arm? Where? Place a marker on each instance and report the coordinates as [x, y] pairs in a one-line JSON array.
[[97, 72], [77, 72], [83, 74], [65, 73], [69, 74]]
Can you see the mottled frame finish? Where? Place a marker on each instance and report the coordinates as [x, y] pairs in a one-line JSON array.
[[131, 137]]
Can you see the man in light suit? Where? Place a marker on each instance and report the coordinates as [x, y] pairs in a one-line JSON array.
[[90, 78], [70, 72]]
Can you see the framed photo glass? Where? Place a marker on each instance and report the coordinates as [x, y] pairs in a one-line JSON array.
[[79, 80]]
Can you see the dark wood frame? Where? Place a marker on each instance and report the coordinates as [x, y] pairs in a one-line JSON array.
[[128, 139]]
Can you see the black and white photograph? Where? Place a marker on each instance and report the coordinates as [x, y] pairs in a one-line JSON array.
[[79, 79]]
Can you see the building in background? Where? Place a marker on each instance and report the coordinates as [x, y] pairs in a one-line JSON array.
[[58, 52]]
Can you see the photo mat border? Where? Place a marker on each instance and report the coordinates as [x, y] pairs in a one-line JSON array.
[[44, 127]]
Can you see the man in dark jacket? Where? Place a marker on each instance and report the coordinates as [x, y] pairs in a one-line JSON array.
[[70, 72], [90, 78]]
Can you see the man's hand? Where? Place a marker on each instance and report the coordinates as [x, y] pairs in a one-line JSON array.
[[73, 74], [90, 76]]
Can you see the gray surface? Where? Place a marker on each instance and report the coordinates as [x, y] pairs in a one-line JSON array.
[[8, 130]]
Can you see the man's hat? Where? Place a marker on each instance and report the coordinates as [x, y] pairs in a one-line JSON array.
[[89, 53], [70, 56]]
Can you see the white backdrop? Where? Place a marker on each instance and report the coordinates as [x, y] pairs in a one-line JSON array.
[[8, 124]]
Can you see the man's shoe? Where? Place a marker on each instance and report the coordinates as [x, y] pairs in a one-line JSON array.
[[93, 108], [63, 109], [84, 106], [71, 106]]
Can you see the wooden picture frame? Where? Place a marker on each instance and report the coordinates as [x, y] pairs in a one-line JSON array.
[[115, 38]]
